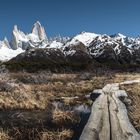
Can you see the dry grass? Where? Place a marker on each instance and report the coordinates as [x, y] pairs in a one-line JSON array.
[[133, 92], [21, 97], [4, 135], [65, 117], [65, 134], [120, 77], [40, 90]]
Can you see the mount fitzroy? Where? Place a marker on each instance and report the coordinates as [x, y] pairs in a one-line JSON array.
[[79, 50]]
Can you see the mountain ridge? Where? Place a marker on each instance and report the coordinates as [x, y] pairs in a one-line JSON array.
[[103, 48]]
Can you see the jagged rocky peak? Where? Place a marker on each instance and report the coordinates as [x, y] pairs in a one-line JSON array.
[[19, 34], [39, 31], [15, 28], [18, 38], [37, 38], [118, 35], [6, 42], [14, 41]]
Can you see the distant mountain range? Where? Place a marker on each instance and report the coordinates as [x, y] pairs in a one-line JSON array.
[[117, 48]]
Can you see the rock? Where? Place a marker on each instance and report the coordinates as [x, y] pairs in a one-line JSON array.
[[39, 31], [124, 57], [79, 59], [77, 54], [74, 56], [75, 45], [85, 76], [136, 56], [107, 56], [94, 96], [18, 37], [6, 42], [49, 56], [34, 39]]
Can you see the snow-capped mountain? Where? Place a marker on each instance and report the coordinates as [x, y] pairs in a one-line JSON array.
[[6, 52], [21, 41], [37, 38], [117, 47], [86, 38]]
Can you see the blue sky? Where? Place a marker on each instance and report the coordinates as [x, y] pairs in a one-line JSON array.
[[69, 17]]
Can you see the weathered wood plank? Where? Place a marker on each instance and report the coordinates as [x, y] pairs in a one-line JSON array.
[[98, 123], [109, 119], [128, 132]]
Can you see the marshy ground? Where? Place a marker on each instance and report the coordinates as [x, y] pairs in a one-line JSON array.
[[53, 106]]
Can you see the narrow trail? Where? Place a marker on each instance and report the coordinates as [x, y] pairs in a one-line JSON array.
[[109, 119]]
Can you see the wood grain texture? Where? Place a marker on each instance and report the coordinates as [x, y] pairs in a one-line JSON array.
[[109, 119]]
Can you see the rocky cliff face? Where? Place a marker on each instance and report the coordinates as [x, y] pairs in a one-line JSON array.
[[21, 41], [34, 39], [39, 31]]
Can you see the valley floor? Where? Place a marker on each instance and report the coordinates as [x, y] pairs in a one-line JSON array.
[[54, 106]]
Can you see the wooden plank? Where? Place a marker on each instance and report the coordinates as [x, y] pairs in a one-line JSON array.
[[98, 123], [116, 132], [109, 119], [128, 132]]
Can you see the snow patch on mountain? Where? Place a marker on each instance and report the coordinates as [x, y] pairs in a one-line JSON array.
[[55, 44], [86, 37], [118, 35], [7, 53]]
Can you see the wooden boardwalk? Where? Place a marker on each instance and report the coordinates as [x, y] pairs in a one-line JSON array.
[[109, 119]]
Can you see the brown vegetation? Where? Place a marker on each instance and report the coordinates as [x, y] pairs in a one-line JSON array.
[[4, 135], [133, 92], [39, 91], [65, 134]]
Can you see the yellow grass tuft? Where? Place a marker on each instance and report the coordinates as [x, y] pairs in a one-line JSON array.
[[4, 135], [62, 117], [65, 134]]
